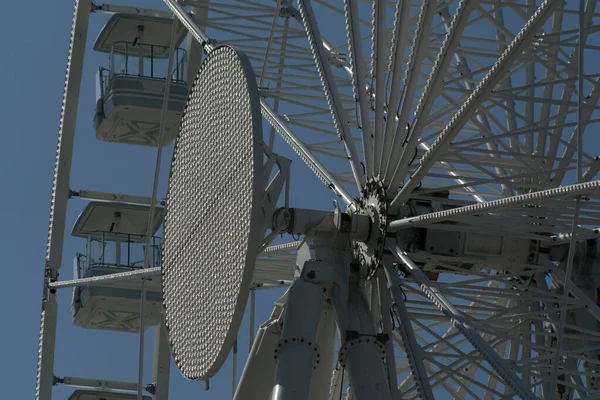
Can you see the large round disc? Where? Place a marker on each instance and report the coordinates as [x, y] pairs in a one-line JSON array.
[[213, 225]]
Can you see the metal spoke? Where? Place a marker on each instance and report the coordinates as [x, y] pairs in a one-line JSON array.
[[358, 72], [462, 325], [481, 92], [338, 114]]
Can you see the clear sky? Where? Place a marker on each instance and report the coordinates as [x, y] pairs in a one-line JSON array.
[[32, 69]]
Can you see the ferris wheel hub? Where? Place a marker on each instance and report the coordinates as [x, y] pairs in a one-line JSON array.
[[373, 204]]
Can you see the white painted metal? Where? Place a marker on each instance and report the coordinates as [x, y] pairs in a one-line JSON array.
[[459, 320], [297, 351], [149, 230], [411, 347], [99, 384], [93, 195], [60, 195], [481, 93], [321, 379], [508, 76], [386, 309], [256, 382], [162, 363], [270, 115], [361, 352], [338, 114], [358, 81]]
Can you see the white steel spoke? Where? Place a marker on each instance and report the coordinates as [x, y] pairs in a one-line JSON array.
[[413, 350], [565, 191], [399, 40], [338, 114], [378, 47], [417, 55], [59, 198], [462, 325], [480, 94], [358, 73]]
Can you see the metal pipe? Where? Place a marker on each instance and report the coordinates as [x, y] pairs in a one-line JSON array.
[[385, 309], [162, 363], [414, 352], [573, 242], [361, 353], [256, 382], [252, 316], [458, 319], [99, 384], [149, 232], [234, 367], [543, 195], [296, 351]]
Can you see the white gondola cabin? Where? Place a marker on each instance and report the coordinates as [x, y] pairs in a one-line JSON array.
[[130, 91], [116, 242]]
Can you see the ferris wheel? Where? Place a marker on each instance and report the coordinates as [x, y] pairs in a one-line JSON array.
[[459, 259]]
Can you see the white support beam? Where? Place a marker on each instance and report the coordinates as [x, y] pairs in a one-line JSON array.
[[256, 382], [114, 197], [417, 56], [298, 146], [162, 363], [107, 279], [535, 197], [99, 384], [400, 36], [338, 112], [499, 365], [399, 164], [46, 345], [413, 351], [118, 8], [321, 380], [60, 196], [378, 71]]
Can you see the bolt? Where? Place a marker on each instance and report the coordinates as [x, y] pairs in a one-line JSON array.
[[311, 274]]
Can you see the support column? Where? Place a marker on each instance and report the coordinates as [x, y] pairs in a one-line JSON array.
[[258, 377], [321, 382], [162, 363], [362, 352], [296, 351]]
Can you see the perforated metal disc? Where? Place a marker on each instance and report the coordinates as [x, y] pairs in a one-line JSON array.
[[213, 225]]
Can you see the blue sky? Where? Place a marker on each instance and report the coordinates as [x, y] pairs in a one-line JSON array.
[[33, 67]]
